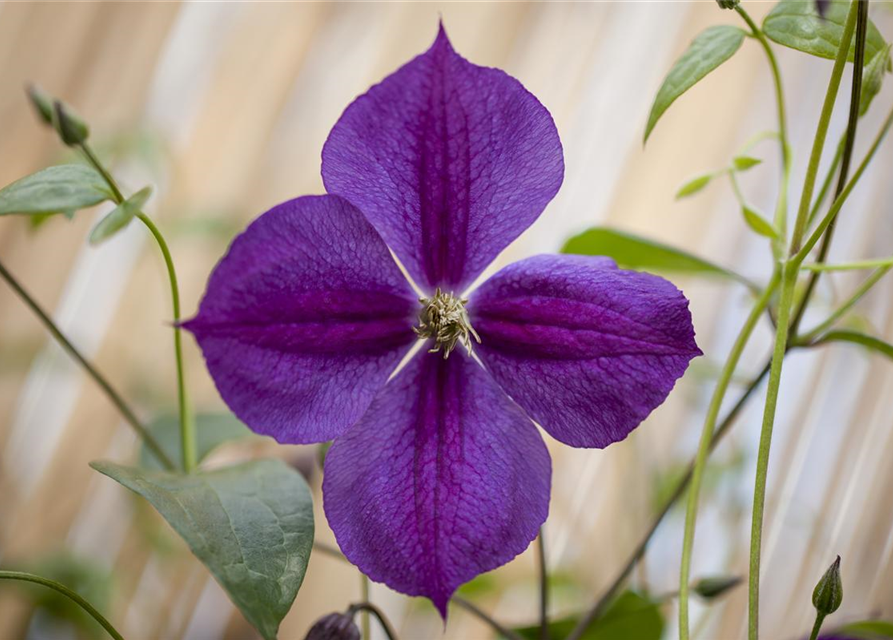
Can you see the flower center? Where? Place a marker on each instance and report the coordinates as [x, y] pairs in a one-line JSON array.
[[444, 318]]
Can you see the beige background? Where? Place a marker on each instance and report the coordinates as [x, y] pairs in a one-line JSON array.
[[232, 103]]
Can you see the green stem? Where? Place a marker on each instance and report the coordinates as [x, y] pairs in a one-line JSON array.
[[827, 182], [819, 617], [68, 593], [790, 269], [848, 266], [782, 204], [364, 618], [815, 157], [187, 425], [544, 586], [600, 605], [716, 400], [870, 281], [841, 199], [846, 153], [789, 280], [498, 628], [366, 608], [65, 343]]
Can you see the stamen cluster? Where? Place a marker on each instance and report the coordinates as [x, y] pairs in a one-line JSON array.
[[444, 318]]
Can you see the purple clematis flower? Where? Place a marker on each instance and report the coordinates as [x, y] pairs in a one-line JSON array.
[[438, 473]]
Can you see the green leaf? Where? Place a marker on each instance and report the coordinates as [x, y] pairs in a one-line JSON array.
[[868, 629], [714, 586], [66, 187], [629, 616], [120, 216], [211, 430], [873, 78], [708, 50], [90, 579], [758, 223], [634, 252], [693, 186], [321, 452], [857, 337], [743, 163], [797, 24], [250, 524]]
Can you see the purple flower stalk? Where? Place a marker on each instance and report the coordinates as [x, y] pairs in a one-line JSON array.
[[437, 472]]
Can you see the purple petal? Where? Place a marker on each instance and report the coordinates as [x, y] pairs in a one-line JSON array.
[[442, 479], [304, 319], [448, 160], [586, 349]]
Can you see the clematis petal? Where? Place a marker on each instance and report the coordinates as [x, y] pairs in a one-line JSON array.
[[442, 479], [304, 319], [588, 350], [448, 160]]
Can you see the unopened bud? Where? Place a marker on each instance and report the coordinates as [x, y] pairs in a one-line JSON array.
[[727, 4], [828, 592], [335, 626], [42, 103], [71, 128]]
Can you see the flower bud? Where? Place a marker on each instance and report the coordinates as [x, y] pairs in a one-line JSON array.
[[727, 4], [42, 103], [713, 587], [335, 626], [828, 592], [71, 128]]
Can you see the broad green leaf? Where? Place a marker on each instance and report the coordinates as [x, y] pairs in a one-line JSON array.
[[873, 78], [758, 223], [629, 616], [211, 430], [120, 216], [868, 629], [708, 50], [743, 163], [857, 337], [250, 524], [634, 252], [797, 24], [693, 186], [90, 579], [66, 187]]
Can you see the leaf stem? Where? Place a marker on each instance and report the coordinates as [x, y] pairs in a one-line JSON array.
[[498, 628], [848, 266], [366, 608], [704, 446], [544, 586], [860, 291], [68, 593], [187, 425], [65, 343], [781, 208]]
